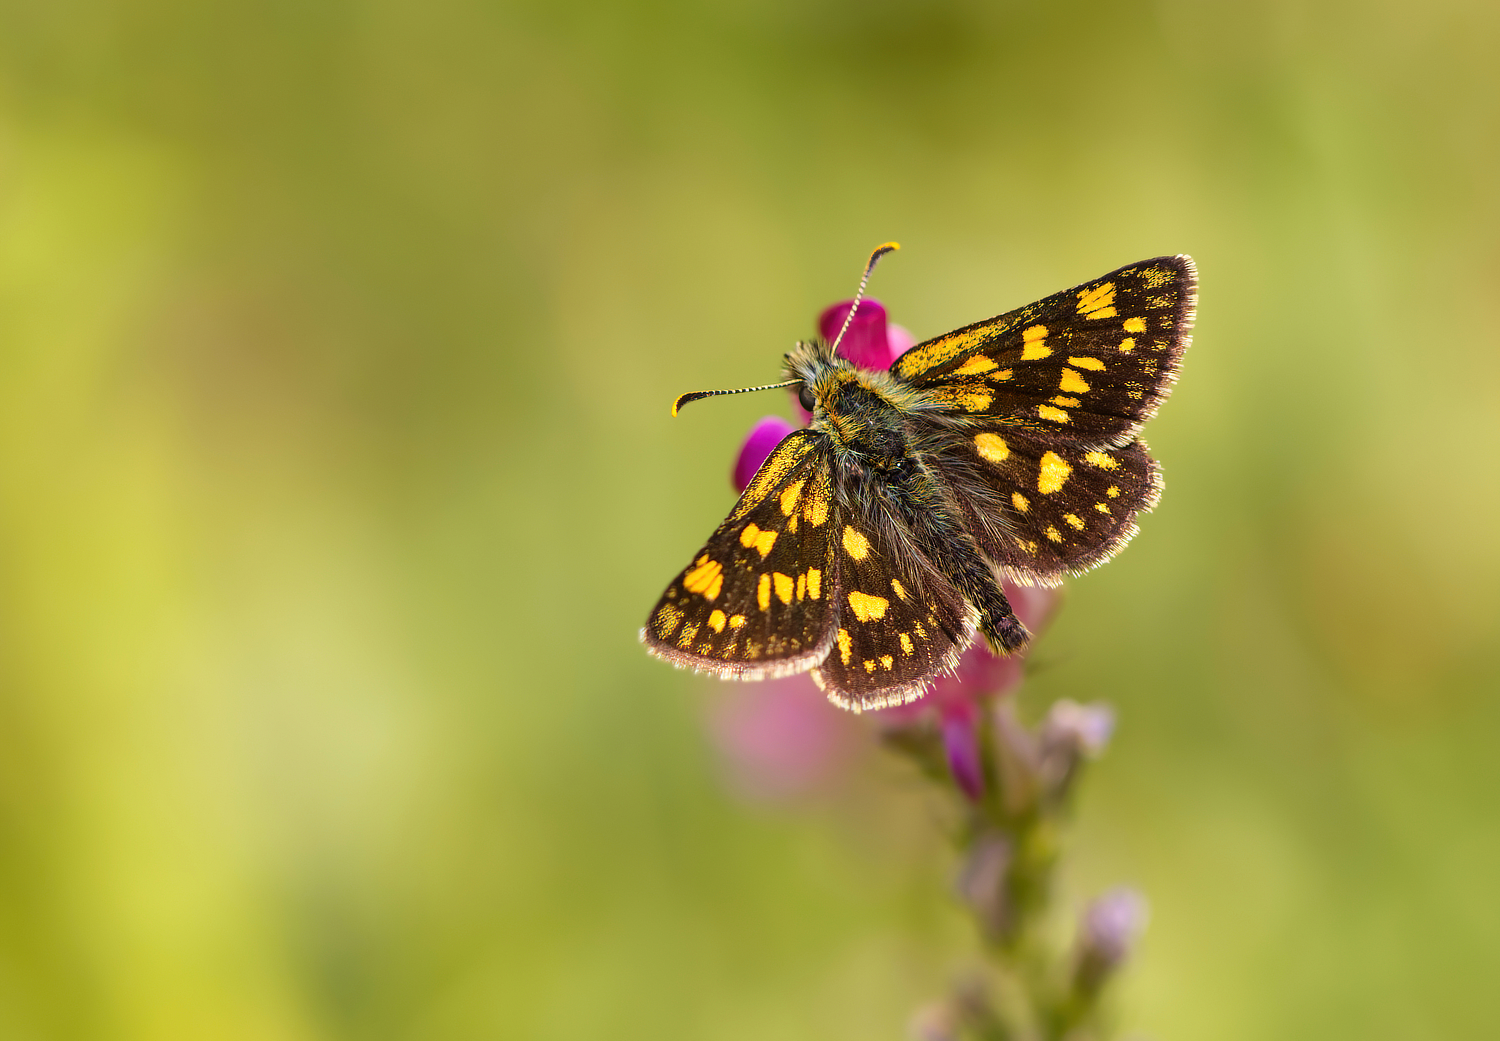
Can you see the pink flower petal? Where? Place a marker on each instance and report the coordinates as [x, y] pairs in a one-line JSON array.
[[867, 343]]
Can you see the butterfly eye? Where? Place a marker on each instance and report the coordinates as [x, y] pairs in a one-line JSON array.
[[805, 397]]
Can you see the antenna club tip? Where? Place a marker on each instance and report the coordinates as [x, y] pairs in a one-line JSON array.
[[886, 247]]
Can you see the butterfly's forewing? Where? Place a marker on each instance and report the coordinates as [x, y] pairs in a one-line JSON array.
[[758, 598], [900, 622], [1088, 365], [1042, 509]]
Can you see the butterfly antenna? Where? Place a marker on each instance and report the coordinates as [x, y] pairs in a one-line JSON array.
[[880, 251], [695, 395]]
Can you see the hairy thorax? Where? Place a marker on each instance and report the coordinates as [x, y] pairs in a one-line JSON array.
[[872, 420]]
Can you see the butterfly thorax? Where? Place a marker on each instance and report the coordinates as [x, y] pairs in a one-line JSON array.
[[870, 417], [878, 431]]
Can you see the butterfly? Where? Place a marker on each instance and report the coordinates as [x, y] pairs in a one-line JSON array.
[[871, 545]]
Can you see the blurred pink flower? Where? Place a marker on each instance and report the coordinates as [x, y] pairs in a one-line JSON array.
[[778, 738]]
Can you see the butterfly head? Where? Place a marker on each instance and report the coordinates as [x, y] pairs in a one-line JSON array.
[[851, 404]]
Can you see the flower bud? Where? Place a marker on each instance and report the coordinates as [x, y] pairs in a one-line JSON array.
[[1110, 927], [1070, 734]]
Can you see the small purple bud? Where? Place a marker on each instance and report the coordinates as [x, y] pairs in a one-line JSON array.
[[1110, 927], [1070, 734], [1086, 728], [761, 441], [965, 761]]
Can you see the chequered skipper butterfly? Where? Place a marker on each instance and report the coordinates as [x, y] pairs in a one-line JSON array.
[[870, 546]]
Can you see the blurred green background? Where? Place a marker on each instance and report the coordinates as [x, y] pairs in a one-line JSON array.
[[336, 477]]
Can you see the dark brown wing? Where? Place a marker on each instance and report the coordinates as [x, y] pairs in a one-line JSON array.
[[1087, 365], [1041, 509], [899, 624], [758, 600]]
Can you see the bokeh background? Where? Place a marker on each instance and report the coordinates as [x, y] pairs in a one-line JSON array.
[[336, 476]]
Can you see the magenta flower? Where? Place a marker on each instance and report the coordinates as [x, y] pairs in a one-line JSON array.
[[870, 342], [954, 702]]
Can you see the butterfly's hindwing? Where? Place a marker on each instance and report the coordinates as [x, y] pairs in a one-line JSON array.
[[1042, 510], [1087, 365], [757, 600], [897, 627]]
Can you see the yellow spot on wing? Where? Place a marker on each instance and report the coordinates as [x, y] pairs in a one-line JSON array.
[[761, 540], [845, 646], [736, 620], [1102, 461], [1019, 501], [801, 585], [1074, 520], [815, 509], [920, 359], [972, 400], [855, 544], [1101, 507], [1033, 345], [1057, 415], [716, 621], [789, 496], [900, 589], [1114, 491], [1127, 345], [977, 364], [1053, 473], [815, 583], [1065, 401], [1086, 363], [866, 607], [1072, 383], [869, 665], [667, 621], [1054, 534], [1098, 302], [686, 639], [905, 644], [1135, 325], [784, 586], [707, 578], [763, 592], [886, 662], [991, 447]]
